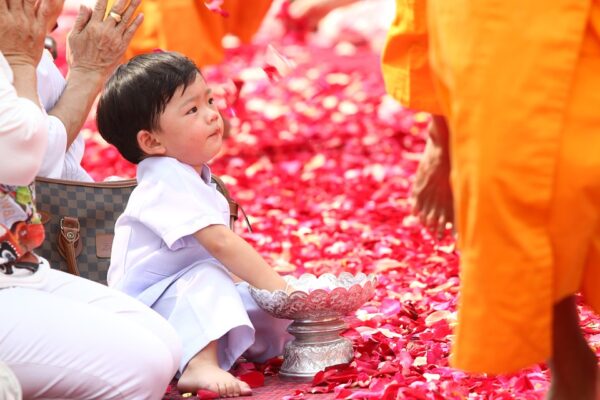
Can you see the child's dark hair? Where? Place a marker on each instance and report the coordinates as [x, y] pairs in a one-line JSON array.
[[136, 95]]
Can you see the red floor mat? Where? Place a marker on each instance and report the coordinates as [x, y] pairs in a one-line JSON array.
[[274, 389]]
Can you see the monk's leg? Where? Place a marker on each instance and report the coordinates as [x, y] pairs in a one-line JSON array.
[[573, 366]]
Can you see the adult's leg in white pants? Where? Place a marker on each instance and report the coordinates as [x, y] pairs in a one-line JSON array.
[[9, 385], [77, 339]]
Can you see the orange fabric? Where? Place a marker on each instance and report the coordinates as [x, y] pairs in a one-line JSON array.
[[521, 85], [188, 27], [405, 60]]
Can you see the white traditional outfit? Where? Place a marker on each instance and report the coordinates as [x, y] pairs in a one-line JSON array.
[[62, 336], [58, 163], [156, 259]]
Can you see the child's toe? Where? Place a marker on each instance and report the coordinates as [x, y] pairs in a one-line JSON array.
[[245, 389]]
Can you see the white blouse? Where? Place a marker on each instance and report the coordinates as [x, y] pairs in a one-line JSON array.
[[57, 163], [23, 133]]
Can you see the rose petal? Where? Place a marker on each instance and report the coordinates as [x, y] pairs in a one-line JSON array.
[[254, 379]]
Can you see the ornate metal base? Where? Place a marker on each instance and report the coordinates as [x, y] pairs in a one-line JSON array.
[[317, 345]]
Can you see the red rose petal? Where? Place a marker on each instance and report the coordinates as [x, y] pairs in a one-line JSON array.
[[206, 394], [254, 379]]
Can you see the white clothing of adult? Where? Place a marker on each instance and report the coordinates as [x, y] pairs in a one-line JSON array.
[[65, 337], [57, 163], [23, 133], [9, 385], [156, 259]]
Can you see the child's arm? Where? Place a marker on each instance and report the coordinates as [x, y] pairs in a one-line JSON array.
[[239, 257]]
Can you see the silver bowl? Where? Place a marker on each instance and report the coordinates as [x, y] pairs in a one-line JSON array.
[[317, 307]]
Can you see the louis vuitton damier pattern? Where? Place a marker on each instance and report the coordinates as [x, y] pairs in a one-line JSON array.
[[96, 206]]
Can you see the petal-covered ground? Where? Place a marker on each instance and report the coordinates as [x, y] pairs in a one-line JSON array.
[[322, 161]]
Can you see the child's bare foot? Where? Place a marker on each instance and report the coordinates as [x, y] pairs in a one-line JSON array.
[[203, 374]]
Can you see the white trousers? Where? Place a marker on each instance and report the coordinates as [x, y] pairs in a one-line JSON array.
[[205, 305], [76, 339], [9, 386]]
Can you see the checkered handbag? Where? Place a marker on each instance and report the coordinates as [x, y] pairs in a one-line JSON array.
[[96, 207], [79, 220]]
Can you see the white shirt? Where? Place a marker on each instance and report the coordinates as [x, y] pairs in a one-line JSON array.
[[23, 132], [154, 242], [57, 163], [23, 139]]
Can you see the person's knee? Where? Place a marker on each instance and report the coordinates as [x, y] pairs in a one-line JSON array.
[[169, 337]]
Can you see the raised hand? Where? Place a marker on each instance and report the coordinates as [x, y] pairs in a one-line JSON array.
[[432, 194], [99, 40], [23, 29]]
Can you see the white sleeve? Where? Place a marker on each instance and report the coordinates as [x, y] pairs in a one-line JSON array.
[[23, 133], [179, 204], [59, 163], [73, 170], [51, 82], [54, 158]]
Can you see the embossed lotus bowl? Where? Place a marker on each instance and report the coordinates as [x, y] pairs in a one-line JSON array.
[[317, 307]]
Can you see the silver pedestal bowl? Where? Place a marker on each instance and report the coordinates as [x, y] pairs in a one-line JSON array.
[[317, 307]]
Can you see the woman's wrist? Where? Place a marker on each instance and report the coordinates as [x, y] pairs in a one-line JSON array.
[[25, 81], [92, 76], [19, 60]]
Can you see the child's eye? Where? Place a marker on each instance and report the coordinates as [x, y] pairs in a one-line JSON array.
[[192, 110], [211, 101]]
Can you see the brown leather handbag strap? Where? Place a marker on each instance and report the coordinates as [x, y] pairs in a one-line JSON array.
[[234, 207], [69, 242]]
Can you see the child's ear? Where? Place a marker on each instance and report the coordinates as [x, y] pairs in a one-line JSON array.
[[150, 144]]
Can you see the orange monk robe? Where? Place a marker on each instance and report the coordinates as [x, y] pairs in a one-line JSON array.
[[521, 83], [189, 27], [405, 58]]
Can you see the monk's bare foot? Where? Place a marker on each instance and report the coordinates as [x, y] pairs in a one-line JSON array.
[[202, 374]]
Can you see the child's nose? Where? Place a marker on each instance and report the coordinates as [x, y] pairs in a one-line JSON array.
[[212, 116]]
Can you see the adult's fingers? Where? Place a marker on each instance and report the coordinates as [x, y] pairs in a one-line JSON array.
[[128, 14], [433, 219], [99, 10], [84, 16], [417, 199], [3, 6], [117, 8], [441, 231], [128, 35], [15, 5], [45, 10], [29, 6]]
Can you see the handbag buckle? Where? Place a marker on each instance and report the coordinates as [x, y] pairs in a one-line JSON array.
[[69, 227]]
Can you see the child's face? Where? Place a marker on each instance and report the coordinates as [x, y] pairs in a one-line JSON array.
[[191, 128]]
